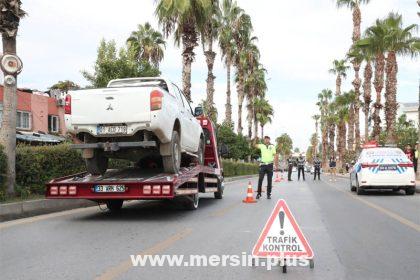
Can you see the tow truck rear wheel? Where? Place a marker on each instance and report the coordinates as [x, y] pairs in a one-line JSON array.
[[114, 205], [191, 201], [172, 163], [98, 164], [219, 193]]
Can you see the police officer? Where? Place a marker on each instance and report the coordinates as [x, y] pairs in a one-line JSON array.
[[290, 168], [301, 167], [317, 168], [269, 157]]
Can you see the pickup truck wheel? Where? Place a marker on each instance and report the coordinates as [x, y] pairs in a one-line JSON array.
[[98, 164], [114, 205], [200, 153], [172, 163]]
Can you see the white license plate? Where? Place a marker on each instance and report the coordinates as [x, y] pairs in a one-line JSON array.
[[112, 129], [109, 188]]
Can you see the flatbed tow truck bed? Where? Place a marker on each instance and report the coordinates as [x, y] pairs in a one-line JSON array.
[[117, 185]]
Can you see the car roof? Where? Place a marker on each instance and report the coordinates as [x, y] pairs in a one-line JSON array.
[[382, 151]]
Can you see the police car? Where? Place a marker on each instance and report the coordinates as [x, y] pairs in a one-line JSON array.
[[382, 168]]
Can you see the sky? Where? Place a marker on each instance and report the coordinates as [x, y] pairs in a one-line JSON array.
[[298, 41]]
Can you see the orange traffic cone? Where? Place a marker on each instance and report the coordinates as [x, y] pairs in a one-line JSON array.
[[249, 195]]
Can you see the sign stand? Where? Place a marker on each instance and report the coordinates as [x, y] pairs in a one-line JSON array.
[[282, 238]]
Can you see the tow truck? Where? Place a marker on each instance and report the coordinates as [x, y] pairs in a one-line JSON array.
[[136, 183]]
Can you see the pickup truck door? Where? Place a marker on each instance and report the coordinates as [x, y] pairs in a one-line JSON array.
[[191, 125]]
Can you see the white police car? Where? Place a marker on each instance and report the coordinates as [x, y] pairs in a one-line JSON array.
[[383, 168]]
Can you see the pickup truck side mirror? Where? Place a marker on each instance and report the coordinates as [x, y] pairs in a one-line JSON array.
[[198, 111]]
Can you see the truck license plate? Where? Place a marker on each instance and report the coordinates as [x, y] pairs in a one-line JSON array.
[[112, 129], [109, 188]]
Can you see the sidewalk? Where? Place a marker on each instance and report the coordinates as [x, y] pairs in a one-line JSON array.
[[347, 176]]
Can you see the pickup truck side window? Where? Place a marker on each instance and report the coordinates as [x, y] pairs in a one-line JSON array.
[[178, 95], [186, 103]]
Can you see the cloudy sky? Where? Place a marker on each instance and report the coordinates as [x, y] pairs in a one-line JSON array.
[[298, 41]]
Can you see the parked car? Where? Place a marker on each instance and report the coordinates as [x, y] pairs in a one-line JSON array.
[[383, 168], [134, 119]]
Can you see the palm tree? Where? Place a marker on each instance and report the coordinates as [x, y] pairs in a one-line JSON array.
[[332, 120], [354, 5], [185, 19], [323, 103], [255, 86], [399, 40], [340, 70], [374, 42], [244, 59], [147, 44], [230, 22], [342, 109], [10, 15], [264, 113], [316, 119], [209, 35]]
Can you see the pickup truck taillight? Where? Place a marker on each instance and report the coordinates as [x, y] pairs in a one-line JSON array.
[[156, 98], [67, 104]]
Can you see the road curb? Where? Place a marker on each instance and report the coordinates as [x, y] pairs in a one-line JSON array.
[[22, 209]]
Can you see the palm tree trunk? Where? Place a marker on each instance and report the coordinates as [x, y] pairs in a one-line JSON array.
[[189, 42], [228, 106], [255, 133], [210, 56], [338, 85], [356, 84], [391, 105], [367, 96], [351, 128], [250, 110], [324, 146], [262, 132], [8, 125], [341, 143], [331, 135], [379, 84], [240, 90]]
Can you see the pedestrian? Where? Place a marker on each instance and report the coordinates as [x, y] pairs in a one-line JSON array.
[[409, 153], [290, 164], [333, 169], [317, 168], [301, 167], [269, 157]]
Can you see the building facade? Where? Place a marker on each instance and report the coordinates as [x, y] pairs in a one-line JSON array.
[[37, 112]]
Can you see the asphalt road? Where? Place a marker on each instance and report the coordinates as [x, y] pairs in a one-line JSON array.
[[374, 236]]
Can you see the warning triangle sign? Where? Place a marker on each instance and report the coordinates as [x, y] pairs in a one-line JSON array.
[[282, 237]]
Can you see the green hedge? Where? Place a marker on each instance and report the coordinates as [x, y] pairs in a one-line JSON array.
[[36, 165], [234, 168]]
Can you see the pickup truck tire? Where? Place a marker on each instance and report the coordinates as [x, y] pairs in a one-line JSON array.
[[200, 153], [98, 164], [410, 191], [172, 163]]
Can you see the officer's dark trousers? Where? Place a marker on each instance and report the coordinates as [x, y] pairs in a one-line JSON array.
[[265, 169], [301, 169], [289, 173], [317, 171]]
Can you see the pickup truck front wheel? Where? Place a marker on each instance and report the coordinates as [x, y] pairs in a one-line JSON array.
[[172, 163], [98, 164]]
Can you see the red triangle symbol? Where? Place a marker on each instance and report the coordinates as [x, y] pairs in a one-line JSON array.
[[282, 237]]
